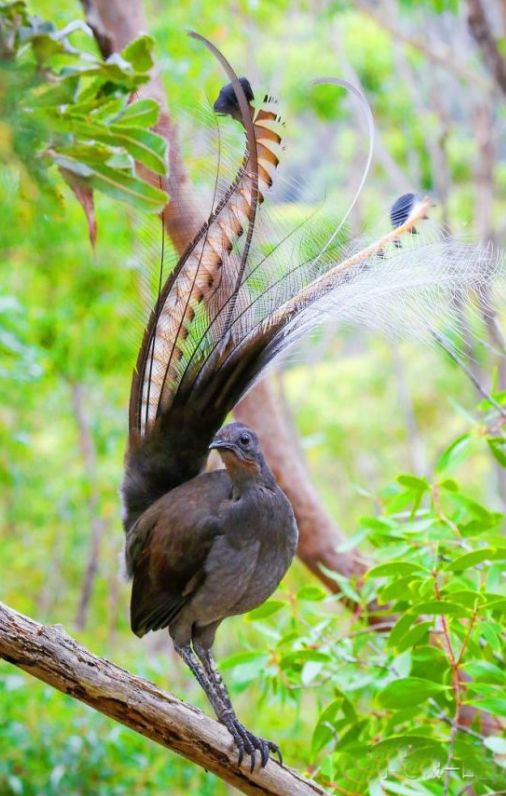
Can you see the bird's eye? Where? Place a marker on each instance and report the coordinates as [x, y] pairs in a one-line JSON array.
[[244, 439]]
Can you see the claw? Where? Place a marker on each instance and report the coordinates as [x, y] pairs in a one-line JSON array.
[[240, 747], [250, 744], [264, 751], [277, 751]]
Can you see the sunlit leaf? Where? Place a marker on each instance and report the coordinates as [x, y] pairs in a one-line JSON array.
[[408, 690]]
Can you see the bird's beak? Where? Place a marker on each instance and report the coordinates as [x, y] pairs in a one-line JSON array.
[[218, 444]]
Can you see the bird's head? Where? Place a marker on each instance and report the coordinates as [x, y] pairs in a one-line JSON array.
[[239, 441], [241, 453], [227, 103]]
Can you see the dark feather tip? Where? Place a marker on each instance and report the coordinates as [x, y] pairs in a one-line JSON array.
[[227, 102], [401, 209]]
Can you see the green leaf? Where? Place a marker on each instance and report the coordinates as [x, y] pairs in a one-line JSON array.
[[413, 482], [129, 189], [492, 634], [241, 658], [449, 484], [496, 706], [55, 94], [324, 731], [311, 593], [399, 587], [497, 605], [454, 453], [466, 597], [268, 608], [343, 583], [146, 147], [414, 635], [486, 672], [395, 568], [408, 691], [438, 608], [476, 557], [139, 53], [301, 656], [143, 113], [400, 628], [322, 734], [497, 448]]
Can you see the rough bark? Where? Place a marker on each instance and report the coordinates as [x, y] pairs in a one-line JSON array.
[[49, 654], [119, 22]]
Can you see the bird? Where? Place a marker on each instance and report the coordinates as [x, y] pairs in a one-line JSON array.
[[202, 546], [213, 547]]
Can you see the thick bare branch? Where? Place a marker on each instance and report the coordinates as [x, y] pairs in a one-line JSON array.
[[49, 654]]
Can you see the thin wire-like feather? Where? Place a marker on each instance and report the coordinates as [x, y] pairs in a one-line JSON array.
[[199, 359], [234, 305]]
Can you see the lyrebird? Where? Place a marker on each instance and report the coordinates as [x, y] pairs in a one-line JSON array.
[[204, 546]]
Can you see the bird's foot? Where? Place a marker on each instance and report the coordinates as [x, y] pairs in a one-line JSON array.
[[250, 744]]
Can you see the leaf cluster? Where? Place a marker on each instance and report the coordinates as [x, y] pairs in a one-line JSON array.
[[62, 105]]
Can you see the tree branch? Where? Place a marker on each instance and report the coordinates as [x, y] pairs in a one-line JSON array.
[[48, 653], [482, 33]]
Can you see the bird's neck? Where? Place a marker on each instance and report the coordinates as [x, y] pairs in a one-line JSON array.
[[246, 476]]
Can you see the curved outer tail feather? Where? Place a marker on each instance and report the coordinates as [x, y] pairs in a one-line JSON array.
[[232, 306]]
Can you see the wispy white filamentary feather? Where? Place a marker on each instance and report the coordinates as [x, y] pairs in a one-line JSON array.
[[236, 303]]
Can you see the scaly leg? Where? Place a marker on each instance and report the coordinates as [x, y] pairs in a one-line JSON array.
[[224, 714], [244, 739]]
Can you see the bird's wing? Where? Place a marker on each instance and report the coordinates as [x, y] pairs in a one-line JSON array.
[[168, 547]]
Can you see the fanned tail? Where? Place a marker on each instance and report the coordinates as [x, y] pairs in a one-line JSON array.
[[235, 303]]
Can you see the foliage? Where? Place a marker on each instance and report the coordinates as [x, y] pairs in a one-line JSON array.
[[57, 746], [62, 105], [363, 710]]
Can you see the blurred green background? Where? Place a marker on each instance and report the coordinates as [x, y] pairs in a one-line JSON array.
[[366, 408]]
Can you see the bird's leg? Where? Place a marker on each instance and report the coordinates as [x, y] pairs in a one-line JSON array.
[[244, 739], [188, 655], [224, 711]]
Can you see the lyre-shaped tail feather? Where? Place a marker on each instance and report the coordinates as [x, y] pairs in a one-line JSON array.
[[233, 305], [205, 274], [203, 280], [406, 291]]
